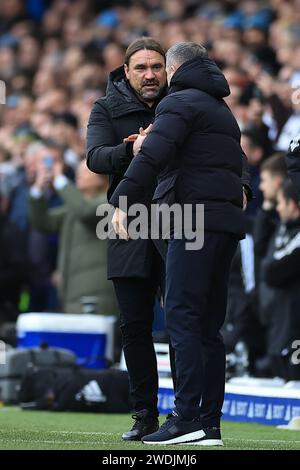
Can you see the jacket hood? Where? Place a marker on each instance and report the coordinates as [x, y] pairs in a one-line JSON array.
[[203, 74], [119, 95]]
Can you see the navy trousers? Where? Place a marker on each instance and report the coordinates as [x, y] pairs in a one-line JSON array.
[[195, 305]]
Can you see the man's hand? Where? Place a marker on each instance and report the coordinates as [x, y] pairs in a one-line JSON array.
[[147, 130], [138, 139], [130, 138], [118, 223], [138, 143]]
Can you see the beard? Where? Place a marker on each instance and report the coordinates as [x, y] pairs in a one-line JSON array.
[[149, 95]]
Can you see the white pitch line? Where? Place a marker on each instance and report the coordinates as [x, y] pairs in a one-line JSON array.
[[278, 441], [52, 442], [88, 433]]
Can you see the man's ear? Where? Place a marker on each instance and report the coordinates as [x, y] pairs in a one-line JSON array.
[[126, 70]]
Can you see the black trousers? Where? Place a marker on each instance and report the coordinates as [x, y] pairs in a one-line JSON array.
[[136, 299], [195, 306]]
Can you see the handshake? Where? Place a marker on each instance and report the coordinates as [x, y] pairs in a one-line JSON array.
[[138, 139]]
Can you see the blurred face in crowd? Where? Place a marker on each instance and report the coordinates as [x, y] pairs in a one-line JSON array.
[[89, 182], [287, 209], [63, 133], [254, 152], [41, 122], [31, 164], [146, 74], [269, 185]]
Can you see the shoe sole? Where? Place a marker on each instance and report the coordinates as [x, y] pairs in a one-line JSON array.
[[186, 438], [206, 442]]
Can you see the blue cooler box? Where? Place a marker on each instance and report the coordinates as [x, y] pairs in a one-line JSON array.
[[90, 337]]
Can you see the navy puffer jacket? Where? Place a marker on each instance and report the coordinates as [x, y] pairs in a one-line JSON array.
[[194, 147]]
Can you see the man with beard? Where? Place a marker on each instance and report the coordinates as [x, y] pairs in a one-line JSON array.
[[133, 91]]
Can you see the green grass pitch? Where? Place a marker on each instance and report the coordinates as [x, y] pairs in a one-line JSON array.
[[79, 431]]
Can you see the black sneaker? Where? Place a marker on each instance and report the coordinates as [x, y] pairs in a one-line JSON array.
[[175, 431], [145, 423], [212, 438]]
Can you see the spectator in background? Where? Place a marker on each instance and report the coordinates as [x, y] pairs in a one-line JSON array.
[[7, 173], [273, 173], [64, 130], [292, 125], [248, 309], [253, 147], [281, 272], [14, 269], [82, 256], [41, 249]]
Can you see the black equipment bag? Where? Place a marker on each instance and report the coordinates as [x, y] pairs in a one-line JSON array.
[[17, 362], [75, 389]]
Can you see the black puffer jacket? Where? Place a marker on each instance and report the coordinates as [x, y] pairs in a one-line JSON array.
[[195, 146], [113, 117]]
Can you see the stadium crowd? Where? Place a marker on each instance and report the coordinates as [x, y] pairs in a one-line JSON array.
[[55, 57]]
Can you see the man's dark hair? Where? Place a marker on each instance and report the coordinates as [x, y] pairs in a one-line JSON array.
[[140, 44], [289, 191], [67, 118], [184, 51], [275, 165]]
